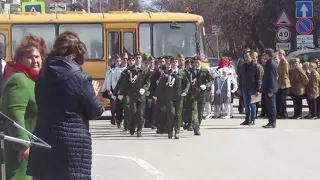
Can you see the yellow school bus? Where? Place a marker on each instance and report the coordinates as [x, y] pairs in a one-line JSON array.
[[107, 34]]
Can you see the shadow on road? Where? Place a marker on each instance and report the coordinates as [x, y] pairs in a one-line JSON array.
[[244, 128]]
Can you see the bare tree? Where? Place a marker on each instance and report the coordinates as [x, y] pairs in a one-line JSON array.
[[104, 6]]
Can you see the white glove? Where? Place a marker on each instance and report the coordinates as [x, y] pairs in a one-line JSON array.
[[120, 97], [142, 91], [155, 98], [203, 87], [113, 97], [218, 92], [183, 94]]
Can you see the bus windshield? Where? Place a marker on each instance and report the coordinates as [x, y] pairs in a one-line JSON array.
[[168, 39]]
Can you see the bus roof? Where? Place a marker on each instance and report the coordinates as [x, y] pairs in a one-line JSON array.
[[115, 16]]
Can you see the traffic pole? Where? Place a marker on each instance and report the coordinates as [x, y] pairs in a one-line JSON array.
[[3, 168], [2, 156]]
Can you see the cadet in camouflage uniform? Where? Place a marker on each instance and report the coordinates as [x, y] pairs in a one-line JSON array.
[[312, 90], [159, 115], [145, 60], [200, 79], [121, 90], [187, 114], [174, 85], [182, 61], [150, 101], [139, 83], [299, 81]]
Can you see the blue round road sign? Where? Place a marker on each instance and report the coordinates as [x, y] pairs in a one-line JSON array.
[[304, 26]]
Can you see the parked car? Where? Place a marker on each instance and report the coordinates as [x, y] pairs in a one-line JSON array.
[[304, 55]]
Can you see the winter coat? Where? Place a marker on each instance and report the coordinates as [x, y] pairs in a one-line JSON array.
[[66, 102], [18, 103]]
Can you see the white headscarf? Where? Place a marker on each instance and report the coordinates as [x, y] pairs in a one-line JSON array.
[[222, 71]]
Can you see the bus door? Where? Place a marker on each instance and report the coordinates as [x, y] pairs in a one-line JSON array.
[[4, 44], [120, 41]]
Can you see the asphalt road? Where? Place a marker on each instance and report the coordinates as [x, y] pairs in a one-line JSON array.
[[224, 151]]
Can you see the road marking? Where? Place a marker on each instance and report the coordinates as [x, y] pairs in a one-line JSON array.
[[299, 130], [144, 164]]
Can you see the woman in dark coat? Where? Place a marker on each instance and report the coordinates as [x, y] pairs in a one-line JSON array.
[[66, 99]]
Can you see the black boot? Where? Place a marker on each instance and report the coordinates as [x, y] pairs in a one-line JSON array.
[[176, 135], [132, 130], [245, 123], [139, 133], [197, 132]]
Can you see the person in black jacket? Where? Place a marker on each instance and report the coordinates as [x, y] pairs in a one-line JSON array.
[[66, 100], [270, 87], [249, 84], [241, 104]]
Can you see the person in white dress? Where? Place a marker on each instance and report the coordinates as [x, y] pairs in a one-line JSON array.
[[225, 91]]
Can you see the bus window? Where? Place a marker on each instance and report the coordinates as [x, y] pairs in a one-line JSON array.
[[90, 34], [113, 46], [177, 39], [2, 46], [202, 39], [145, 38], [19, 31], [128, 43]]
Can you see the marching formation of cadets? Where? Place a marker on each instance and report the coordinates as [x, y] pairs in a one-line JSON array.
[[162, 94], [171, 92]]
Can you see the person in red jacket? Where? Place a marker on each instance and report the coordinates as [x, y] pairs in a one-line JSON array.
[[8, 70]]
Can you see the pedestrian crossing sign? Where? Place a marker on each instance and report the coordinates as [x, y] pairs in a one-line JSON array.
[[33, 7]]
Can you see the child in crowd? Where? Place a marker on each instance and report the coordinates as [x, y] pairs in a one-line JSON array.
[[224, 91]]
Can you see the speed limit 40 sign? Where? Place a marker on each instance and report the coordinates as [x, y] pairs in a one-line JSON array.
[[283, 34]]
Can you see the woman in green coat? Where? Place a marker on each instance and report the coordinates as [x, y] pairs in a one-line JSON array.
[[18, 103]]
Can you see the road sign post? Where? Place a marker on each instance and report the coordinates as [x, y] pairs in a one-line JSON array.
[[283, 34], [304, 9], [33, 7], [304, 26], [58, 7], [284, 46], [283, 19]]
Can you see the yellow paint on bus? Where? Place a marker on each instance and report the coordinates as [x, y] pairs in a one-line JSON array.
[[107, 34]]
